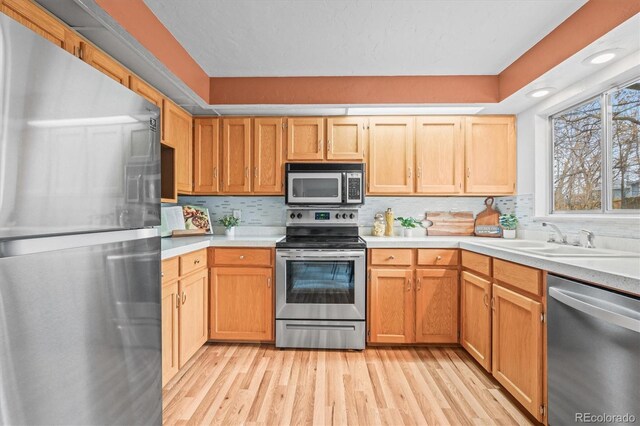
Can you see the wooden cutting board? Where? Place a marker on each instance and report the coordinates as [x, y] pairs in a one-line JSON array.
[[450, 223], [488, 221]]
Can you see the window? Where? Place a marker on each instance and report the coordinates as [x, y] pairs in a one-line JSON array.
[[596, 155]]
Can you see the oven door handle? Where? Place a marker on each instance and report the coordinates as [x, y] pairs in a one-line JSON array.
[[336, 256], [320, 327]]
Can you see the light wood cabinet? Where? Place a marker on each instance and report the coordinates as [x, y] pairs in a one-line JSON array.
[[104, 63], [391, 306], [437, 305], [241, 303], [178, 134], [346, 138], [268, 162], [305, 138], [36, 19], [490, 155], [517, 347], [475, 330], [140, 87], [236, 155], [439, 155], [193, 313], [391, 156], [206, 155], [170, 307]]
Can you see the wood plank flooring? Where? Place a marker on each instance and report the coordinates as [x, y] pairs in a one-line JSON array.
[[261, 385]]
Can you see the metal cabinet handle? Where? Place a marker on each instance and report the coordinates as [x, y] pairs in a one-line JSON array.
[[269, 282], [255, 172], [419, 172], [485, 300], [178, 302], [320, 146], [328, 146], [246, 171], [184, 297], [468, 172], [409, 171], [493, 303], [162, 274], [215, 172], [418, 284], [391, 257], [409, 284]]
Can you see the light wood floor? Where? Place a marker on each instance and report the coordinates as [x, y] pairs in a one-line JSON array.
[[253, 384]]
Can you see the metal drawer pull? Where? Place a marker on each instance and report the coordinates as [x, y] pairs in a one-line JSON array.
[[595, 311], [195, 262], [184, 297], [438, 258], [242, 257], [391, 257]]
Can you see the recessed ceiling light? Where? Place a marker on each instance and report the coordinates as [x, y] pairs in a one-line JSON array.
[[540, 93], [601, 57]]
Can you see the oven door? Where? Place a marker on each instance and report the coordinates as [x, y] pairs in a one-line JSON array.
[[309, 188], [320, 284]]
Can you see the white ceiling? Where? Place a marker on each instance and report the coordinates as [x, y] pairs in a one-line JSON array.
[[249, 38]]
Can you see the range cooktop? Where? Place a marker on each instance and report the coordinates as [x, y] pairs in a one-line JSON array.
[[322, 242]]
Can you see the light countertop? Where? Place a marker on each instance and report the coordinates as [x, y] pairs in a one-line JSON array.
[[621, 274]]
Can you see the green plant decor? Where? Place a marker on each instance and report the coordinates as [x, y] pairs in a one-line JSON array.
[[408, 222], [229, 221], [509, 221]]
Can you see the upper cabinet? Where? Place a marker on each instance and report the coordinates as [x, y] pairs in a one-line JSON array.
[[490, 155], [37, 20], [305, 139], [391, 145], [104, 63], [206, 155], [178, 134], [439, 155], [236, 155], [268, 165], [346, 138]]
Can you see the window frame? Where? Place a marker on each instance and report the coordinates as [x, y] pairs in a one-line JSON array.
[[606, 145]]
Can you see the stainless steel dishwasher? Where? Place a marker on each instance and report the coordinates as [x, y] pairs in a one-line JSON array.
[[593, 354]]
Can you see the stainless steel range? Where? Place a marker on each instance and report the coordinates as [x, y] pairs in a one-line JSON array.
[[320, 280]]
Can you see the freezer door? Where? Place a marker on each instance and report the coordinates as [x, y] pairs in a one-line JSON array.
[[78, 151], [80, 330]]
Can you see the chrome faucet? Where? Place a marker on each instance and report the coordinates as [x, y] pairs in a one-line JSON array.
[[590, 237], [563, 237]]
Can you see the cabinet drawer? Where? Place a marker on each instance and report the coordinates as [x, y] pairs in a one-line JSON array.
[[399, 257], [477, 262], [193, 261], [170, 270], [243, 256], [522, 277], [437, 257]]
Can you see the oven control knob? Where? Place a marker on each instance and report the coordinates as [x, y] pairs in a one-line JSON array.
[[299, 215], [344, 215], [351, 216], [292, 215], [337, 215]]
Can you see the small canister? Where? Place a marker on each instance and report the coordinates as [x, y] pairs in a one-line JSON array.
[[378, 225]]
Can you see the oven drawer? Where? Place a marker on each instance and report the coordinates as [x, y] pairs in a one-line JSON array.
[[320, 334]]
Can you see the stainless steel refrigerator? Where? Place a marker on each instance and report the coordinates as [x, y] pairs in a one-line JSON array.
[[79, 249]]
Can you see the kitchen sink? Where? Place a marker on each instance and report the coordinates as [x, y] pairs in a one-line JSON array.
[[518, 244], [572, 251]]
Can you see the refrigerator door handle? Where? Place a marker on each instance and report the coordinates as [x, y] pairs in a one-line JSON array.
[[21, 247], [595, 311]]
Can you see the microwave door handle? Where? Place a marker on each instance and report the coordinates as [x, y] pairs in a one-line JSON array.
[[345, 200]]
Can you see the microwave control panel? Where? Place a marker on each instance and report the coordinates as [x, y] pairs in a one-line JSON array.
[[354, 187]]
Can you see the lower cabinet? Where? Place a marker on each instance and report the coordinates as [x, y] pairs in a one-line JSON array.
[[391, 306], [241, 303], [170, 341], [437, 305], [193, 314], [517, 346], [475, 333]]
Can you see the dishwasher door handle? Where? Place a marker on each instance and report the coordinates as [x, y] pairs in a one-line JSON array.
[[595, 311]]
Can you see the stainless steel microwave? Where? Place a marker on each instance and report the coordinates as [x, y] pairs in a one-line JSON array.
[[335, 184]]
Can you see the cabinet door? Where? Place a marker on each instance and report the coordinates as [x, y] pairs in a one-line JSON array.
[[206, 155], [170, 313], [437, 306], [236, 155], [517, 347], [475, 330], [439, 155], [346, 138], [305, 138], [104, 63], [490, 151], [193, 313], [178, 134], [241, 303], [36, 19], [391, 142], [391, 306], [149, 93], [267, 156]]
